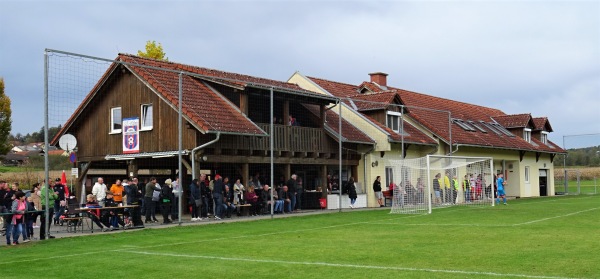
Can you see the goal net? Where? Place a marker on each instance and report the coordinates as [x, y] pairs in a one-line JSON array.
[[438, 181]]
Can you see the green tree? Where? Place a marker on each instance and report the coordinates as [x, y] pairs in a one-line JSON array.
[[5, 119], [153, 50]]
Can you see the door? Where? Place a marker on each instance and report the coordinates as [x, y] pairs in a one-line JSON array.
[[543, 183]]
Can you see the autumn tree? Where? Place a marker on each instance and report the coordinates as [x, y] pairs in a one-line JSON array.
[[153, 50], [5, 119]]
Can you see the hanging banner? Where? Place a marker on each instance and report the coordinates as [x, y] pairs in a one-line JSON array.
[[131, 135]]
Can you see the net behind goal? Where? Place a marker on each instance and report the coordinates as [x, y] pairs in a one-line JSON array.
[[437, 181]]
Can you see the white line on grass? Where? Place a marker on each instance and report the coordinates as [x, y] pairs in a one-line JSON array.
[[560, 216], [446, 225], [352, 265]]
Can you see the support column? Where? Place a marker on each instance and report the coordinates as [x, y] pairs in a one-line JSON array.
[[324, 186], [245, 174], [132, 168], [286, 112], [287, 173], [322, 115]]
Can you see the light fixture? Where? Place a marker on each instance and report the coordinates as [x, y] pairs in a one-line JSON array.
[[204, 158], [124, 158], [374, 164]]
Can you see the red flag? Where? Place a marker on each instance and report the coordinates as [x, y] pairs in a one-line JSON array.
[[63, 181]]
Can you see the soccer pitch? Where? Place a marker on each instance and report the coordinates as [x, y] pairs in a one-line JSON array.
[[555, 237]]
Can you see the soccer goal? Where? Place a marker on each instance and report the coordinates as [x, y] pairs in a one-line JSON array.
[[438, 181]]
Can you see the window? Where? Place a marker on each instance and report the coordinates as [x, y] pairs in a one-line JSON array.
[[526, 174], [544, 137], [463, 125], [146, 123], [116, 121], [527, 134], [502, 129], [389, 176], [393, 121], [477, 126], [490, 127]]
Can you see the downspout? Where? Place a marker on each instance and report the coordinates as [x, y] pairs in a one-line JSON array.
[[199, 147]]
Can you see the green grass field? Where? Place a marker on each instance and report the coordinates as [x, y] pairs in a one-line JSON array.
[[556, 237]]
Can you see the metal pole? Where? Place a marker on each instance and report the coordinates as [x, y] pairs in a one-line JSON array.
[[402, 130], [429, 184], [493, 193], [565, 182], [180, 127], [450, 131], [271, 146], [46, 161], [340, 154]]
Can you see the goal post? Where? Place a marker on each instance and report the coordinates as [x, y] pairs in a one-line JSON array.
[[420, 184]]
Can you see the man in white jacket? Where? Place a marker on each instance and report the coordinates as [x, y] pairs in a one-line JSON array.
[[99, 190]]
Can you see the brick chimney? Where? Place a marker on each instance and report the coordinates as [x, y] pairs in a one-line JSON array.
[[379, 78]]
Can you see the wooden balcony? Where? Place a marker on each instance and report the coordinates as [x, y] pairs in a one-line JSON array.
[[286, 139]]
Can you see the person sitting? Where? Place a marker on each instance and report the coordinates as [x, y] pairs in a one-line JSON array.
[[228, 201], [265, 199], [112, 215], [252, 199], [94, 214], [286, 200]]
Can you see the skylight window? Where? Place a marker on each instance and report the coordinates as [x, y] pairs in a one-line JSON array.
[[477, 126], [490, 127], [463, 125], [502, 129]]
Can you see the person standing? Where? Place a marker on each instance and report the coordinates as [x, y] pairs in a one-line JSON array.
[[149, 202], [18, 209], [99, 191], [52, 196], [218, 189], [437, 189], [501, 183], [61, 202], [291, 183], [195, 200], [205, 194], [377, 190], [6, 197], [351, 191], [118, 191], [177, 191], [165, 200]]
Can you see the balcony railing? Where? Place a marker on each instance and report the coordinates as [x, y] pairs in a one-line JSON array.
[[286, 139]]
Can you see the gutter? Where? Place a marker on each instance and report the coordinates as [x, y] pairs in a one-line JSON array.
[[199, 147]]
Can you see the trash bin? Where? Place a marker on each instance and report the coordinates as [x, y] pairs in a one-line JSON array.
[[323, 203]]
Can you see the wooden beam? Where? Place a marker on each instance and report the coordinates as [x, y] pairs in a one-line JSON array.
[[279, 160], [521, 155], [537, 156], [80, 179], [552, 157], [405, 149]]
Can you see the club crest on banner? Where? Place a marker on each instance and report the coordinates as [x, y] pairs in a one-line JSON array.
[[131, 128]]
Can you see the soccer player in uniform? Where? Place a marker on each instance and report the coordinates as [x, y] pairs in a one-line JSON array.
[[500, 184]]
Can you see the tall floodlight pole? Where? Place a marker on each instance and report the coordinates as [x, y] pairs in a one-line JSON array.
[[46, 162], [340, 153], [271, 146], [180, 125]]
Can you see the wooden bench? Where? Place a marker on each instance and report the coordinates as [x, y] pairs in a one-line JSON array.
[[244, 209]]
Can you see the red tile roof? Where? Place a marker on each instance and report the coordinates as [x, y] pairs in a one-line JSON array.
[[349, 132], [542, 124], [374, 101], [411, 135], [205, 107], [434, 114], [514, 120]]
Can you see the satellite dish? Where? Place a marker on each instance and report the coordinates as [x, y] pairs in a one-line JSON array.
[[67, 142]]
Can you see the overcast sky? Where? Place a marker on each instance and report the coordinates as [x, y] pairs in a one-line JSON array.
[[538, 57]]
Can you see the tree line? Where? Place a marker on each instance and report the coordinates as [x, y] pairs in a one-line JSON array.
[[581, 157], [38, 136]]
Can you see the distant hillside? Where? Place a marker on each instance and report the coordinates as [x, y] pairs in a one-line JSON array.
[[585, 157]]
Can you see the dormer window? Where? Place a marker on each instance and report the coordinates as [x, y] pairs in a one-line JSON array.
[[544, 137], [393, 121], [527, 134]]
